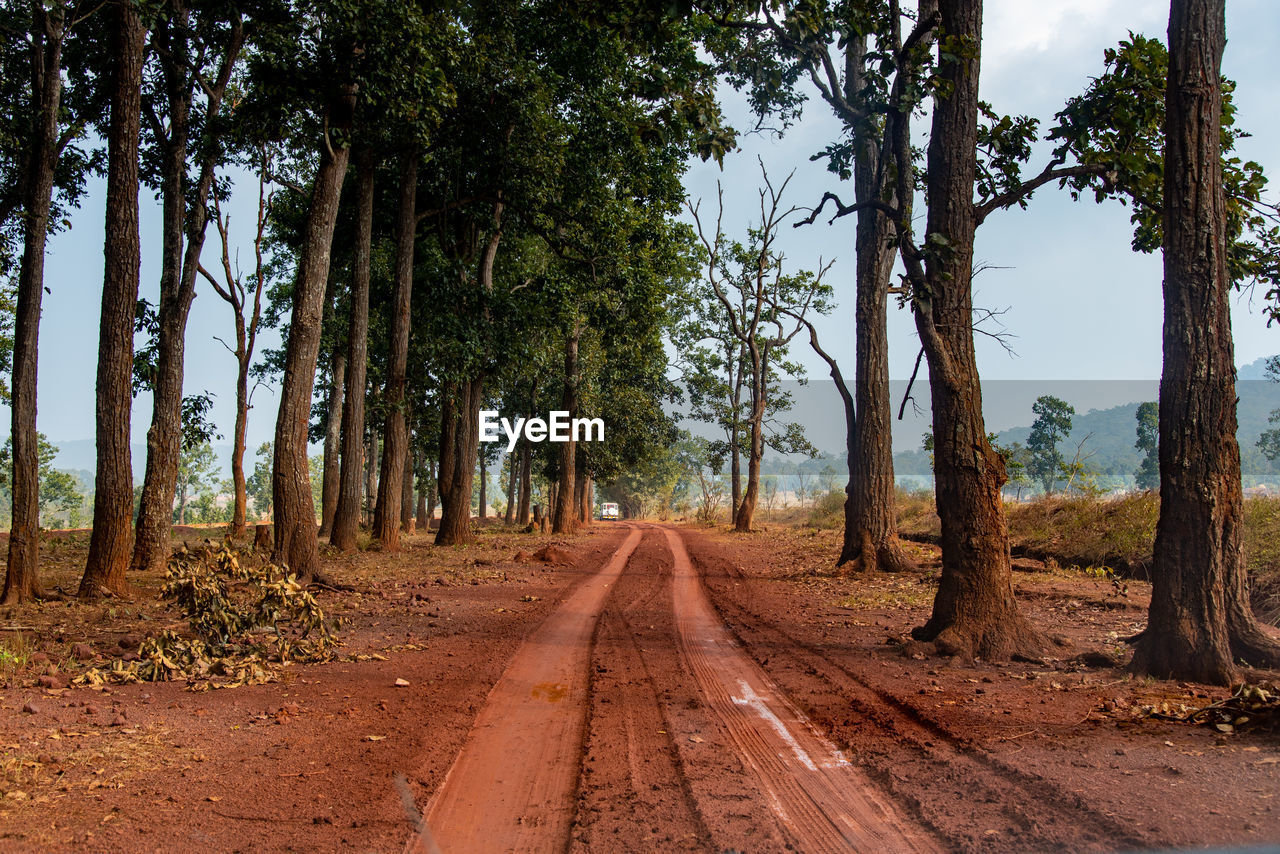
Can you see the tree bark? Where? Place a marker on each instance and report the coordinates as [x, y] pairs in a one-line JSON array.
[[483, 509], [458, 461], [406, 496], [333, 443], [564, 520], [424, 516], [974, 612], [396, 443], [22, 581], [526, 483], [512, 479], [870, 522], [346, 516], [111, 543], [1200, 621], [295, 520], [755, 452]]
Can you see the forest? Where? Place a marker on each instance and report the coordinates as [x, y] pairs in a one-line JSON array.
[[404, 222]]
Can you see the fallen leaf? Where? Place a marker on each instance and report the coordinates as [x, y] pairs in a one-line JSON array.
[[375, 738]]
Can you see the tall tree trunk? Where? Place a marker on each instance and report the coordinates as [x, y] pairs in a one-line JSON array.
[[1200, 622], [111, 543], [432, 495], [22, 581], [458, 462], [870, 520], [333, 442], [370, 478], [512, 478], [346, 516], [396, 449], [755, 426], [526, 483], [177, 286], [424, 516], [295, 519], [240, 508], [406, 496], [974, 612], [483, 509], [564, 519], [583, 495]]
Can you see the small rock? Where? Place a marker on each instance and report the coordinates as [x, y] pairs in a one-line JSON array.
[[522, 556], [129, 642], [118, 720], [17, 795], [90, 710], [46, 759], [82, 652], [38, 659], [129, 656], [402, 683], [31, 708], [52, 681]]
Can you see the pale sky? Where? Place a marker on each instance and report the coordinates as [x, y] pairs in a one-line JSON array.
[[1082, 305]]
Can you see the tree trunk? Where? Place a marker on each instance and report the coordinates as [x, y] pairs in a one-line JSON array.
[[483, 509], [111, 543], [974, 612], [240, 510], [295, 518], [583, 495], [424, 515], [512, 478], [182, 505], [333, 443], [1200, 621], [346, 516], [370, 478], [526, 483], [22, 581], [870, 519], [564, 521], [396, 450], [432, 494], [406, 495], [177, 289], [458, 462]]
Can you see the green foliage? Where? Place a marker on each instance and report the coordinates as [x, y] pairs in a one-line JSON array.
[[1118, 126], [1052, 424], [258, 484], [59, 490], [1148, 417]]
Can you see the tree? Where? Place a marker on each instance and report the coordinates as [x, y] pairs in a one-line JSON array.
[[58, 489], [772, 48], [258, 484], [246, 312], [764, 309], [1052, 425], [43, 160], [974, 612], [1200, 621], [111, 543], [197, 51], [197, 469], [1148, 474]]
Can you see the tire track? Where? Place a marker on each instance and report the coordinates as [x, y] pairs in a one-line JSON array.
[[915, 756], [511, 787], [821, 801]]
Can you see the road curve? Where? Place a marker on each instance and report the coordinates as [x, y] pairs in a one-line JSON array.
[[511, 788], [821, 801]]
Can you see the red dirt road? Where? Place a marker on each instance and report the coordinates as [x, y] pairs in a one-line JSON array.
[[512, 786], [652, 689]]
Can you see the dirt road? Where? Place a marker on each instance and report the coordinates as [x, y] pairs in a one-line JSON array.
[[515, 784]]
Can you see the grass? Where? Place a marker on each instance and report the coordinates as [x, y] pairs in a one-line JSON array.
[[1113, 532]]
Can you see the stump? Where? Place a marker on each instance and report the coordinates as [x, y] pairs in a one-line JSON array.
[[262, 537]]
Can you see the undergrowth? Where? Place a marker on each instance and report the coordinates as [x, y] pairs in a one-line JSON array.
[[1116, 533], [242, 620]]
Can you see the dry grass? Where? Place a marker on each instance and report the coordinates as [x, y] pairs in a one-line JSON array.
[[1113, 532]]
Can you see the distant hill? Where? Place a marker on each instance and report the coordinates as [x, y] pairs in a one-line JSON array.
[[80, 455], [1255, 370]]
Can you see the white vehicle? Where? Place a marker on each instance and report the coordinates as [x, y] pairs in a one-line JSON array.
[[609, 511]]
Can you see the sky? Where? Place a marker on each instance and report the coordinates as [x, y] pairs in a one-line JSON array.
[[1080, 304]]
